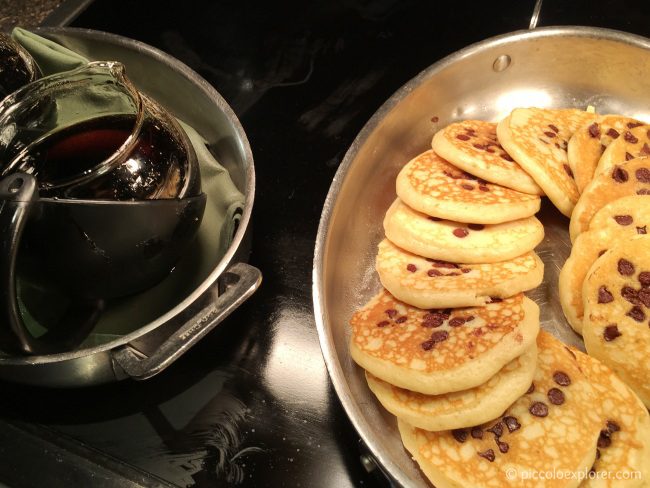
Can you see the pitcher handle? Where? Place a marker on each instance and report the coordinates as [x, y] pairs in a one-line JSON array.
[[18, 191]]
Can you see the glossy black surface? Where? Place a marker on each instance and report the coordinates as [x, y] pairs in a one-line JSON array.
[[252, 404]]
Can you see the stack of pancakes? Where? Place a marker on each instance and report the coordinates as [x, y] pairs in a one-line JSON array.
[[605, 283], [451, 345]]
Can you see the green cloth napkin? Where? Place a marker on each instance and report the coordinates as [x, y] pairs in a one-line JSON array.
[[223, 211]]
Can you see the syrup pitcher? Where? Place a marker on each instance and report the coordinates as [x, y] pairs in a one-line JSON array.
[[100, 196], [17, 66]]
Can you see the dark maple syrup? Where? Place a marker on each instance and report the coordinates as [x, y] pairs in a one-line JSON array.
[[155, 166]]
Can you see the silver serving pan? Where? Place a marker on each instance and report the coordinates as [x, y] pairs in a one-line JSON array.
[[146, 351], [547, 67]]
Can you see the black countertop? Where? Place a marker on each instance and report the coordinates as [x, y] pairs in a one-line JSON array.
[[252, 404]]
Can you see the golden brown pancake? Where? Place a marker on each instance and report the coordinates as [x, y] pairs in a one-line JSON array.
[[616, 326], [462, 408], [616, 221], [429, 283], [554, 427], [431, 185], [472, 146], [629, 178], [588, 143], [632, 143], [624, 441], [537, 139], [460, 243], [440, 351]]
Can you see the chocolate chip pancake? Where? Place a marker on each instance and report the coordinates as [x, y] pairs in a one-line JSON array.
[[588, 143], [616, 221], [463, 408], [472, 146], [446, 240], [624, 441], [552, 427], [537, 139], [431, 185], [430, 283], [440, 351], [629, 178], [632, 143], [616, 326]]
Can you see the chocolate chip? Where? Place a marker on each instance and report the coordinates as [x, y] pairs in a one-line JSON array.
[[462, 137], [507, 158], [632, 125], [539, 409], [512, 423], [383, 323], [503, 447], [604, 439], [488, 454], [476, 226], [391, 312], [482, 147], [401, 320], [469, 318], [490, 150], [643, 175], [495, 300], [435, 119], [561, 378], [644, 297], [604, 295], [643, 191], [613, 133], [555, 396], [642, 230], [477, 433], [630, 294], [433, 320], [637, 314], [611, 333], [619, 175], [531, 389], [483, 188], [628, 156], [625, 267], [553, 128], [433, 272], [437, 263], [594, 130], [465, 270], [460, 435], [623, 219], [460, 232], [456, 322], [644, 278], [612, 426], [411, 267], [427, 345], [467, 186], [439, 336], [645, 150], [549, 134], [629, 137], [496, 429], [567, 169]]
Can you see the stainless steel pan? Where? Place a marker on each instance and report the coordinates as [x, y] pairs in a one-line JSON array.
[[146, 351], [548, 67]]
